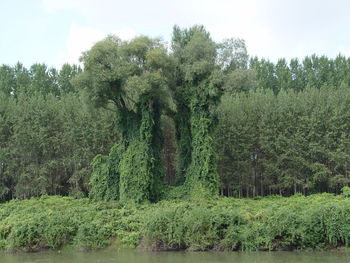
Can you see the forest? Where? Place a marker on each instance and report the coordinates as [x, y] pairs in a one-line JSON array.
[[142, 122]]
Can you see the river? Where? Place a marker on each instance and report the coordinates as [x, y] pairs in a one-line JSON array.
[[132, 256]]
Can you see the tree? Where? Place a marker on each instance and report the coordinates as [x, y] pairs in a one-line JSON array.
[[130, 77], [232, 54], [197, 94], [66, 74], [7, 80]]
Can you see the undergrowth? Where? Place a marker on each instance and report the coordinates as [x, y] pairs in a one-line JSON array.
[[319, 221]]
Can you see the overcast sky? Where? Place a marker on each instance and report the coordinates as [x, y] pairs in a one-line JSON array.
[[57, 31]]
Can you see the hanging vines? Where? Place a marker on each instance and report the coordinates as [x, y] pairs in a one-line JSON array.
[[199, 91], [128, 77], [135, 78]]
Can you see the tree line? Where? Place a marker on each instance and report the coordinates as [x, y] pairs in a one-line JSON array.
[[48, 134], [202, 116], [284, 144]]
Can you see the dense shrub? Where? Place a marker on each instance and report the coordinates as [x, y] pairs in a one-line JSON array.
[[272, 223]]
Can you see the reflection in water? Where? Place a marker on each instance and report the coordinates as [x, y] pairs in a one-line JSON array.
[[132, 256]]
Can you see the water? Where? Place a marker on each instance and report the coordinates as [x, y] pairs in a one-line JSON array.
[[132, 256]]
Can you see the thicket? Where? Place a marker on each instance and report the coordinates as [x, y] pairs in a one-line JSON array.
[[54, 222], [272, 223]]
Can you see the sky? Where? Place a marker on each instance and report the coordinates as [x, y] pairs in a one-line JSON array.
[[55, 32]]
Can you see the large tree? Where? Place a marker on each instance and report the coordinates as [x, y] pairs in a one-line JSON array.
[[130, 77], [197, 94]]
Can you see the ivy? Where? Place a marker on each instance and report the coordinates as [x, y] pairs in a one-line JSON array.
[[105, 177], [135, 77], [128, 76], [199, 92]]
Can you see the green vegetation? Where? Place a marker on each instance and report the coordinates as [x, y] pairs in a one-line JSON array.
[[142, 124], [200, 119], [199, 90], [130, 77], [53, 222], [272, 223], [284, 144], [47, 143]]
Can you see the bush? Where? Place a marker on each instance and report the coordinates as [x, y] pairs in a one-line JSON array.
[[318, 221]]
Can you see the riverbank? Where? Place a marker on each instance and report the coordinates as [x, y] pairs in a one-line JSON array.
[[319, 221]]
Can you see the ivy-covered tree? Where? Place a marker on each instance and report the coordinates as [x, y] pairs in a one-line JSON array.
[[130, 77], [197, 94]]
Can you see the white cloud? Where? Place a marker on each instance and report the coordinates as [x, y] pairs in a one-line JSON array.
[[271, 28], [81, 39]]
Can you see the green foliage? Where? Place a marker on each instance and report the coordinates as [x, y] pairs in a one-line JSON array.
[[240, 81], [135, 162], [47, 144], [47, 134], [297, 222], [232, 55], [38, 79], [345, 191], [250, 130], [292, 142], [105, 177], [131, 77], [53, 222], [175, 193], [272, 223], [197, 94], [312, 72]]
